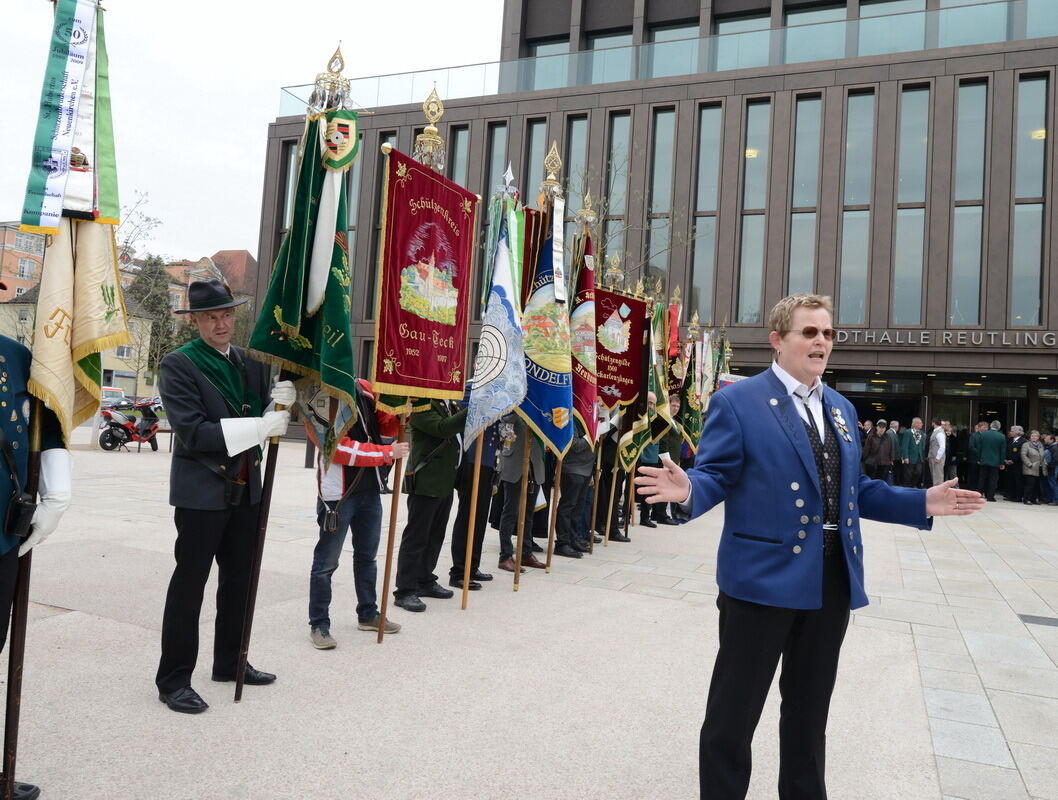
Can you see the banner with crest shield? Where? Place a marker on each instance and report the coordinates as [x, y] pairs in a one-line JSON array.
[[619, 324]]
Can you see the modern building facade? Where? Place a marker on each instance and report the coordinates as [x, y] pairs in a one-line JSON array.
[[896, 155]]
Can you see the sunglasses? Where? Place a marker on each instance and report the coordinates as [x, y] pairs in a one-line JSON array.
[[811, 332]]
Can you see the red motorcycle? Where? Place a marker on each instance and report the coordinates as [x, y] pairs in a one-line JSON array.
[[120, 428]]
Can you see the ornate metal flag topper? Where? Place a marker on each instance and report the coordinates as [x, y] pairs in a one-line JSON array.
[[429, 147]]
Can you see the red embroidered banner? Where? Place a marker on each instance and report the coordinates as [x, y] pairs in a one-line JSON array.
[[619, 325], [582, 332], [424, 282]]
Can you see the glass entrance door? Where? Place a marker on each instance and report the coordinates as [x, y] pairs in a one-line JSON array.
[[986, 410]]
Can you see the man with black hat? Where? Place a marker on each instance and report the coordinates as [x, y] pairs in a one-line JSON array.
[[215, 399]]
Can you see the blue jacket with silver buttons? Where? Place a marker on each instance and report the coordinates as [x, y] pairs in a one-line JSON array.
[[14, 421], [755, 457]]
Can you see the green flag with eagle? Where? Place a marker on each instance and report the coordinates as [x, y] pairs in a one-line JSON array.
[[304, 322]]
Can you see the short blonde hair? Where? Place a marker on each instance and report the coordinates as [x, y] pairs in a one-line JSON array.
[[782, 312]]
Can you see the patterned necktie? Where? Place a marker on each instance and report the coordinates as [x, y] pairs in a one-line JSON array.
[[803, 396]]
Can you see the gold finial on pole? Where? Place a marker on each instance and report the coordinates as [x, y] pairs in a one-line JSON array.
[[640, 290], [613, 275], [553, 165], [332, 88], [695, 328], [675, 299], [586, 216], [429, 146]]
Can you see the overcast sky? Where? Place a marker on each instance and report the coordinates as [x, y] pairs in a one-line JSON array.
[[196, 82]]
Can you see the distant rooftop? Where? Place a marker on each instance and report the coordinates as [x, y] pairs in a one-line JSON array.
[[972, 23]]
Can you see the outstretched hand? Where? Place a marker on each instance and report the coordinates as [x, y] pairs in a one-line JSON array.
[[665, 484], [945, 500]]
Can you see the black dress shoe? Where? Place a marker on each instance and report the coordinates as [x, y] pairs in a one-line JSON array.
[[646, 522], [580, 547], [436, 590], [458, 584], [24, 791], [185, 700], [668, 521], [617, 536], [598, 539], [410, 602], [252, 677], [568, 551], [537, 548], [478, 575]]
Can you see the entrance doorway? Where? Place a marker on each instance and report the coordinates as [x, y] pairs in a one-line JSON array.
[[875, 408], [985, 410]]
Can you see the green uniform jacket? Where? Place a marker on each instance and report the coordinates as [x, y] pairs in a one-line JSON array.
[[914, 453], [973, 447], [993, 448], [672, 444], [431, 428]]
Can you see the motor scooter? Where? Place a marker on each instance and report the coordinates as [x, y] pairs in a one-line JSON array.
[[122, 428]]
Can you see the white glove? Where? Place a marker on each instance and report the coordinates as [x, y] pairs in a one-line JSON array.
[[56, 467], [283, 394], [242, 433]]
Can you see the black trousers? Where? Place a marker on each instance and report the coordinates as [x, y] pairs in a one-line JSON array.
[[1032, 488], [202, 536], [913, 475], [421, 541], [459, 531], [987, 480], [752, 639], [8, 577], [509, 519], [1015, 482], [605, 479], [571, 507]]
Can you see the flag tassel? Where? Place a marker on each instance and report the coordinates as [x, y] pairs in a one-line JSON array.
[[394, 507]]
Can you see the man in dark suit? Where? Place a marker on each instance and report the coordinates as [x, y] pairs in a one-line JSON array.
[[790, 569], [54, 488], [1015, 483], [515, 436], [992, 448], [215, 398]]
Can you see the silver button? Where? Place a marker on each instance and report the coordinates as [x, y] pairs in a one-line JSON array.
[[799, 502], [801, 534], [850, 536], [852, 490], [796, 549], [773, 402], [828, 479], [804, 520], [854, 549], [14, 445], [18, 428], [852, 506], [816, 520], [849, 522], [795, 486]]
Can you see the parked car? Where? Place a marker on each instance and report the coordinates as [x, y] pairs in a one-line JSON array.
[[113, 396]]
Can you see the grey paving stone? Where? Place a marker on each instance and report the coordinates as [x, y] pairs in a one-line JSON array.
[[602, 583], [955, 681], [947, 661], [940, 645], [1024, 680], [959, 706], [701, 587], [654, 591], [968, 742], [939, 633], [1028, 719], [998, 648], [972, 781], [881, 623], [643, 579], [1039, 769]]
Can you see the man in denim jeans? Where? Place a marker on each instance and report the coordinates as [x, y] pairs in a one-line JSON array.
[[350, 486]]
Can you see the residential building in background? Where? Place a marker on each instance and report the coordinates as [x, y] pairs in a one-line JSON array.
[[21, 259], [894, 154]]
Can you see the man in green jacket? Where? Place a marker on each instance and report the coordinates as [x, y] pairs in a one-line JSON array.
[[913, 454], [992, 449], [436, 450], [973, 453]]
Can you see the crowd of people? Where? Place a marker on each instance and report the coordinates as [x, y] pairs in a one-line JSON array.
[[1023, 469]]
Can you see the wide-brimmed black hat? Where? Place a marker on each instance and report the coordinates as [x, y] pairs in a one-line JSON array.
[[209, 296]]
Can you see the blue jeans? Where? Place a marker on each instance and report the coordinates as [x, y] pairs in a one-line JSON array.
[[361, 513]]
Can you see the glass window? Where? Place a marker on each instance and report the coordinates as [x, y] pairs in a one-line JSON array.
[[751, 268], [658, 248], [618, 162], [549, 66], [576, 162], [855, 240], [859, 149], [1040, 18], [497, 159], [881, 32], [743, 42], [802, 252], [535, 150], [806, 152], [26, 267], [32, 243], [380, 171], [970, 141], [914, 145], [613, 56], [703, 269], [290, 182], [755, 177], [966, 266], [962, 24], [614, 239], [907, 266], [352, 189], [1031, 133], [710, 137], [1025, 276], [662, 160], [816, 34], [458, 154], [674, 51]]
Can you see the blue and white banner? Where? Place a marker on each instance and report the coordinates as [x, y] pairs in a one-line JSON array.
[[498, 383]]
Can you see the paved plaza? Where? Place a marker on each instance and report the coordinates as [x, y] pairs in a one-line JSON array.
[[589, 682]]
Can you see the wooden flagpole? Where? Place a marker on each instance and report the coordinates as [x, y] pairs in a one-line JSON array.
[[474, 486], [595, 496], [394, 507], [630, 491], [556, 492], [19, 618], [524, 486], [609, 507]]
